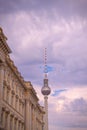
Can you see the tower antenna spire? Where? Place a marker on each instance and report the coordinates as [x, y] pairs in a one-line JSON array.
[[45, 63]]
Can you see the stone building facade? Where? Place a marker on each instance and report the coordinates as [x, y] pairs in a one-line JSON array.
[[19, 107]]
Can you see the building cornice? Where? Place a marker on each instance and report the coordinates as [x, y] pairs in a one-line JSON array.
[[15, 71], [31, 90]]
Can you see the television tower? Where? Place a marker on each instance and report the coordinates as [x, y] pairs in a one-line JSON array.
[[45, 91]]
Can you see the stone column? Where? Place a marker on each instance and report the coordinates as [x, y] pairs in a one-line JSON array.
[[1, 87], [17, 125], [34, 119], [8, 121], [23, 126], [18, 104], [13, 124], [23, 109], [30, 116], [27, 120], [4, 119], [10, 97], [5, 93], [13, 99]]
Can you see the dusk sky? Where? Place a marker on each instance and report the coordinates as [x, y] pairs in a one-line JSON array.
[[61, 27]]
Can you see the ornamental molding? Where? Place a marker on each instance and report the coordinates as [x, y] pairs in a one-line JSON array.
[[3, 43]]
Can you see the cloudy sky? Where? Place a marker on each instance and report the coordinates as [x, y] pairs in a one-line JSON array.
[[61, 27]]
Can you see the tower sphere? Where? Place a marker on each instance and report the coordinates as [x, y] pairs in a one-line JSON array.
[[46, 90]]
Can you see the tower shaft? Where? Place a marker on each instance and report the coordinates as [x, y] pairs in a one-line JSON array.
[[46, 112]]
